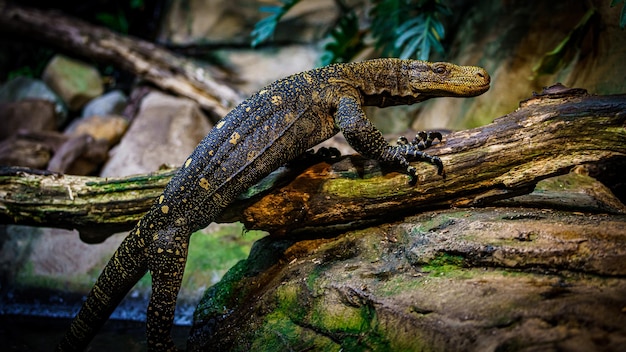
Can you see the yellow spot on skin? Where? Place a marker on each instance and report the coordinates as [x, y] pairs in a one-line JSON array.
[[234, 138], [187, 162], [248, 109], [161, 198], [308, 78], [204, 183], [252, 154], [220, 125], [165, 209], [210, 152], [277, 100], [289, 117], [262, 91]]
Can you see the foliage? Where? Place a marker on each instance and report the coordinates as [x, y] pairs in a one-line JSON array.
[[405, 28], [622, 18], [345, 40], [565, 51], [117, 18], [265, 28], [398, 28]]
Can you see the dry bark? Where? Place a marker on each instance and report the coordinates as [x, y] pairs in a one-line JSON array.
[[546, 136], [148, 61]]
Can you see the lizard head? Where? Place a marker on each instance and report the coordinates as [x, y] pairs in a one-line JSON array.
[[442, 79]]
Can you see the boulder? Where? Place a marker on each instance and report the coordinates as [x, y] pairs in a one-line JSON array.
[[489, 279], [74, 81], [165, 131]]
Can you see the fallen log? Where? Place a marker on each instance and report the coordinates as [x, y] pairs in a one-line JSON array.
[[547, 136]]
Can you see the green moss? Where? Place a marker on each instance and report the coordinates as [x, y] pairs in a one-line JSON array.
[[280, 333], [398, 284], [446, 265], [219, 296], [375, 187]]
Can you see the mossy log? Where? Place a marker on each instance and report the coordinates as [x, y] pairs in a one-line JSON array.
[[547, 136], [146, 60]]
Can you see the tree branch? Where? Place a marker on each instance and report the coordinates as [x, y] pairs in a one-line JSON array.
[[546, 136], [144, 59]]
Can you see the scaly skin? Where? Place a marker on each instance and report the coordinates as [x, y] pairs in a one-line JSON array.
[[267, 130]]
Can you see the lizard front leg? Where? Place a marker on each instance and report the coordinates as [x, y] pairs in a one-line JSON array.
[[167, 256], [366, 139]]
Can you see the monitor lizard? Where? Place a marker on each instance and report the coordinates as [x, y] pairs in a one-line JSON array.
[[267, 130]]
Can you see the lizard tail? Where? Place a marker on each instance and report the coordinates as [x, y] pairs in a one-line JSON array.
[[124, 269]]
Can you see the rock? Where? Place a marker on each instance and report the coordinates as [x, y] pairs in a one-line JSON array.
[[27, 114], [74, 81], [111, 103], [79, 155], [110, 128], [25, 152], [21, 88], [165, 131], [457, 280], [54, 151]]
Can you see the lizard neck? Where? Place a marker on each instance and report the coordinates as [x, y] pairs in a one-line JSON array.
[[386, 82]]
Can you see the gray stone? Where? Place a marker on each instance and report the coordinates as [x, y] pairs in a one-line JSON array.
[[165, 131], [74, 81], [111, 103], [21, 88]]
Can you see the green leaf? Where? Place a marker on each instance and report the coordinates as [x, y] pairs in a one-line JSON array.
[[558, 57], [408, 28], [344, 40], [265, 28]]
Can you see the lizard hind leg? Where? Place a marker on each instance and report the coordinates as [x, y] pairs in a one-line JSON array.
[[167, 256]]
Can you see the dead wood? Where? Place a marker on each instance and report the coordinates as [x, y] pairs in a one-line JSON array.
[[148, 61], [547, 136]]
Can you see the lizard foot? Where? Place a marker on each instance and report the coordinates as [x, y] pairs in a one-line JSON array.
[[422, 140], [403, 154]]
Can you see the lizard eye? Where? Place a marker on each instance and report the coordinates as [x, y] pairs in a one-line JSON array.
[[439, 70]]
